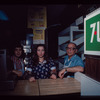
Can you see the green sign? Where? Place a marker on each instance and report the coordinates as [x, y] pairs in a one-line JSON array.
[[92, 33]]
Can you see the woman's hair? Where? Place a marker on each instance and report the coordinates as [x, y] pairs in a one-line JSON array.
[[36, 58]]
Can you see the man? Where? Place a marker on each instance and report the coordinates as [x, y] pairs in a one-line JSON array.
[[18, 61], [72, 62]]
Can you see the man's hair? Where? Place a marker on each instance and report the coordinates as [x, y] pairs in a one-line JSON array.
[[72, 43], [18, 45]]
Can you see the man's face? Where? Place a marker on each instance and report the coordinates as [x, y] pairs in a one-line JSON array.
[[18, 51], [71, 49]]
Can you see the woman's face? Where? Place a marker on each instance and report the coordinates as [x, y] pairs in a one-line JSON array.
[[40, 51]]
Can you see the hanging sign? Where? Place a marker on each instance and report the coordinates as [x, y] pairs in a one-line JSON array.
[[92, 33]]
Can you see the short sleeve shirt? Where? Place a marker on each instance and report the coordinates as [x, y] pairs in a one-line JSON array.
[[74, 61]]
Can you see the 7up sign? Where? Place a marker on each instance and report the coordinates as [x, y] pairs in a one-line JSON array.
[[92, 33]]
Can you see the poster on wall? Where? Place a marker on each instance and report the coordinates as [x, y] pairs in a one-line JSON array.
[[38, 22], [92, 33], [38, 36]]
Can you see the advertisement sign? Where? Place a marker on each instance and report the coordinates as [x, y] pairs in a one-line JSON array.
[[92, 33], [38, 36], [37, 17], [37, 20]]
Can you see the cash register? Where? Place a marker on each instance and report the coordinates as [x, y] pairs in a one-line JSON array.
[[8, 80]]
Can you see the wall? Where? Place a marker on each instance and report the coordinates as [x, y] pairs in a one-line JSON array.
[[89, 86], [92, 67]]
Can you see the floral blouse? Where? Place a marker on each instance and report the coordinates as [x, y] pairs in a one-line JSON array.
[[43, 70]]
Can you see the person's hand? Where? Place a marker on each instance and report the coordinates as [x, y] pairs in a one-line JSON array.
[[53, 76], [19, 73], [61, 73], [32, 79]]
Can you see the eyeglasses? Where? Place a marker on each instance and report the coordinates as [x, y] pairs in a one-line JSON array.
[[67, 48]]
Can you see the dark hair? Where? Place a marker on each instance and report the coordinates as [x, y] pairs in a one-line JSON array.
[[36, 58], [18, 45]]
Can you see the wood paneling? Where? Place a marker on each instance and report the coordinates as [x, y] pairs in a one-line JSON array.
[[92, 67]]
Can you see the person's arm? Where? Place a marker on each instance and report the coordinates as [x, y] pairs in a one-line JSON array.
[[53, 69], [29, 76], [53, 74], [74, 69], [70, 69], [19, 73], [32, 79], [30, 70]]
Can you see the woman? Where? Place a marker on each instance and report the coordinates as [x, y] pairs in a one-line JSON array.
[[42, 66]]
